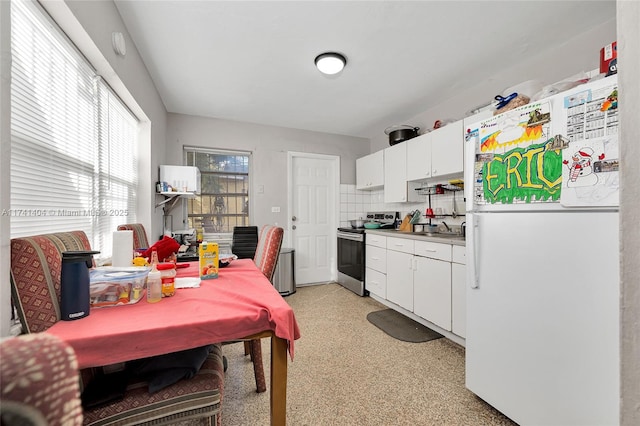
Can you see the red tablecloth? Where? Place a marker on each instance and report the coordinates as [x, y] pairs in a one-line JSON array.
[[239, 303]]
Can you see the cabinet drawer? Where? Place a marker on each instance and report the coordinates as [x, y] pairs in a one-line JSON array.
[[376, 258], [433, 250], [400, 244], [458, 255], [376, 240], [376, 283]]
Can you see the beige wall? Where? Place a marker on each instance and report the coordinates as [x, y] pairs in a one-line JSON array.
[[628, 17], [269, 146], [549, 64]]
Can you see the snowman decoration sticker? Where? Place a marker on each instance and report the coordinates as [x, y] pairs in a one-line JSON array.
[[581, 168]]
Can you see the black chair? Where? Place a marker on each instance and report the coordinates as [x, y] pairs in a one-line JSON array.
[[245, 241]]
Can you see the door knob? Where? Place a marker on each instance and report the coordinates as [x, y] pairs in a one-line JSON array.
[[293, 218], [293, 227]]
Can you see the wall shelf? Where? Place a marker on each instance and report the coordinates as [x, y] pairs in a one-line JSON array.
[[171, 198]]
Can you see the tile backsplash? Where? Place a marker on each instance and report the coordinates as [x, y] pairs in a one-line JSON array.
[[354, 204]]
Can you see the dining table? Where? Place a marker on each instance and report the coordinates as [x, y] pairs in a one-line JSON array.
[[240, 304]]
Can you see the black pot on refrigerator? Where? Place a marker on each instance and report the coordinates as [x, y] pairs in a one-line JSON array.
[[74, 284]]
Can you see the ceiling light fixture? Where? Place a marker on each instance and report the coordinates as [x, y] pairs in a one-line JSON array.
[[330, 62]]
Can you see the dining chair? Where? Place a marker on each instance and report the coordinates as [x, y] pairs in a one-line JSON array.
[[35, 287], [30, 394], [266, 259], [140, 240], [244, 241]]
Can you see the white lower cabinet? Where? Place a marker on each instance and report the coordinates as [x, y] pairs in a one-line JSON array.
[[459, 292], [424, 277], [376, 282], [432, 291], [400, 279], [376, 265]]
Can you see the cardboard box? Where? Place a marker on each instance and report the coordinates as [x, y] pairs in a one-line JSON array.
[[208, 256]]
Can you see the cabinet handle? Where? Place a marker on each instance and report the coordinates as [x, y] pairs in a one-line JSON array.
[[430, 251], [410, 263], [434, 171], [375, 258]]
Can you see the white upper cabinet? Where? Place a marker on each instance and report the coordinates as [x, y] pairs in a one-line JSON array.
[[447, 150], [395, 173], [369, 171], [419, 157]]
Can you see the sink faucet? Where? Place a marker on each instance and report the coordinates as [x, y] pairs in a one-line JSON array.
[[446, 226]]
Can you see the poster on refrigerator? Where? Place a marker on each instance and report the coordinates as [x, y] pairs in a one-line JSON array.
[[518, 159], [590, 176]]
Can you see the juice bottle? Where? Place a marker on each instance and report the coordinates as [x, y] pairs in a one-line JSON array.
[[168, 277]]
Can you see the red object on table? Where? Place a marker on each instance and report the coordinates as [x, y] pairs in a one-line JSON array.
[[165, 248], [241, 302]]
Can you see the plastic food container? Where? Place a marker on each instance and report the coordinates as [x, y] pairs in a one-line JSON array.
[[112, 286]]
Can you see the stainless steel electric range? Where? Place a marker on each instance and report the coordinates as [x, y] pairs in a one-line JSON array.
[[351, 252]]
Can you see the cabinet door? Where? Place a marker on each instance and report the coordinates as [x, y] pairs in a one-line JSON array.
[[432, 291], [395, 174], [400, 279], [458, 300], [447, 144], [369, 171], [376, 283], [419, 157]]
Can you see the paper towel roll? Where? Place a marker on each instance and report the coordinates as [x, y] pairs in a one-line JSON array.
[[122, 248]]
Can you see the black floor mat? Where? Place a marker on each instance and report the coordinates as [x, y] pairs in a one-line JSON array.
[[401, 327]]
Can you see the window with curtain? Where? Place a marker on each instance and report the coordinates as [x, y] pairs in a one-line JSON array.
[[224, 199], [73, 142]]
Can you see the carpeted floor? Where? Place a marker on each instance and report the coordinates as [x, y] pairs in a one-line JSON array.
[[346, 371]]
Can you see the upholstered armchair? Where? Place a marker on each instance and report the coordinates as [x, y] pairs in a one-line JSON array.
[[35, 286]]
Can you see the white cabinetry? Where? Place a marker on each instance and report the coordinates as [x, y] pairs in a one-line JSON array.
[[447, 150], [458, 292], [395, 174], [419, 157], [376, 265], [400, 272], [425, 278], [396, 188], [436, 154], [369, 171], [432, 283]]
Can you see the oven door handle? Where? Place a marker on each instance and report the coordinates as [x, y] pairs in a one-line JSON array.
[[349, 236]]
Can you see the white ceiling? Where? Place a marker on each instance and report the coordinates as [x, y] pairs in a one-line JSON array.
[[252, 61]]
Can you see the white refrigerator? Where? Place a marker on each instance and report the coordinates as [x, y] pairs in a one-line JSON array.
[[541, 189]]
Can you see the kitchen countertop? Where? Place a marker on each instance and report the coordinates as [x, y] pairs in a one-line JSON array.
[[457, 240]]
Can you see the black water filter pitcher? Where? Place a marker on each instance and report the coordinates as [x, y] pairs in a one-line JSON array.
[[74, 284]]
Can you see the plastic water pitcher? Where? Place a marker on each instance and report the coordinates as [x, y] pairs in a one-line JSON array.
[[74, 284]]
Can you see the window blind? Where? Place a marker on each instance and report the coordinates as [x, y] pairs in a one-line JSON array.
[[73, 142]]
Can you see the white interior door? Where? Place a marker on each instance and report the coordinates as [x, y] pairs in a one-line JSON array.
[[312, 219]]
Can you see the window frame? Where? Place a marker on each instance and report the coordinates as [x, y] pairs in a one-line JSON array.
[[189, 216]]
